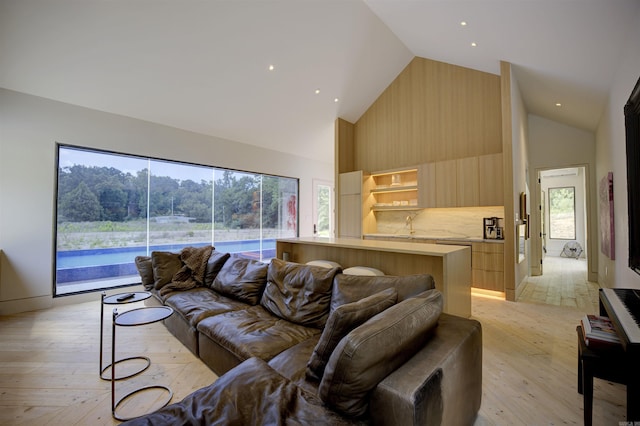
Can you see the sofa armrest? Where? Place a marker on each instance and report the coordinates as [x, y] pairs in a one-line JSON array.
[[441, 384], [422, 405]]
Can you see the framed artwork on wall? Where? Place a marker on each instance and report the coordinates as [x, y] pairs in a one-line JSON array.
[[607, 234]]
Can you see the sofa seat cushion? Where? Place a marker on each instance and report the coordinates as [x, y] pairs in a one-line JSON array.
[[299, 293], [250, 394], [162, 297], [198, 303], [370, 352], [351, 288], [254, 332], [292, 364]]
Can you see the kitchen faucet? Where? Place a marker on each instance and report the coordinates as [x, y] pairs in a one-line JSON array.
[[409, 223]]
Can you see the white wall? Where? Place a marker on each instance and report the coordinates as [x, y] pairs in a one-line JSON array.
[[29, 129], [611, 157], [519, 123]]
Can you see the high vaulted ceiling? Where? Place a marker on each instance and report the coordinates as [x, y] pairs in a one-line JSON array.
[[203, 66]]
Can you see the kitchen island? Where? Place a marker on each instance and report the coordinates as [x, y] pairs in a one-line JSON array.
[[450, 265]]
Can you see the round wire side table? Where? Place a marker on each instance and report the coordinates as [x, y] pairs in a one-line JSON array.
[[133, 318], [121, 299]]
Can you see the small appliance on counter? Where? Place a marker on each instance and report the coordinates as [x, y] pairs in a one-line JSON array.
[[493, 228]]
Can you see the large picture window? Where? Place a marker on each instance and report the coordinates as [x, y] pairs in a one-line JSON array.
[[562, 213], [112, 207]]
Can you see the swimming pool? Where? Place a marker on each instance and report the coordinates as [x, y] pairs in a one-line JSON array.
[[84, 265]]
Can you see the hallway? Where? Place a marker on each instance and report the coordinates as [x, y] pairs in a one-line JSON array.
[[564, 283]]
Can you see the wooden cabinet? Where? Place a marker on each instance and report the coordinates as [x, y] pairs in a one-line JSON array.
[[446, 184], [467, 182], [487, 266], [487, 260], [491, 180], [350, 204], [463, 182], [395, 190], [427, 185]]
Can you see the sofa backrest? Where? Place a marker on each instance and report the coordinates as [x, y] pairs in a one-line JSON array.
[[299, 293], [351, 288]]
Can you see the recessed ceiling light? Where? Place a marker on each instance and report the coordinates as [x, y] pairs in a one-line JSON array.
[[558, 104], [335, 99], [463, 23], [473, 44], [317, 91], [271, 67]]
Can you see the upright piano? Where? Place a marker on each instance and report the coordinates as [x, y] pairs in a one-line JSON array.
[[622, 306]]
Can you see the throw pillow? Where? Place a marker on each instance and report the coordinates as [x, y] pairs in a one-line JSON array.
[[145, 269], [341, 321], [215, 263], [372, 351], [299, 293], [165, 265], [241, 278]]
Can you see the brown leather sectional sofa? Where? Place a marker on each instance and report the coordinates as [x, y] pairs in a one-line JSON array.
[[302, 344]]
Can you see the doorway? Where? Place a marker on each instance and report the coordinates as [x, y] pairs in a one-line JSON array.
[[323, 208], [563, 200], [560, 217]]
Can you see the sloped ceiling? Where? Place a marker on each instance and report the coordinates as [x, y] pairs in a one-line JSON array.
[[203, 65]]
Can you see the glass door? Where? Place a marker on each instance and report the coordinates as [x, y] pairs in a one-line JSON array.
[[322, 209]]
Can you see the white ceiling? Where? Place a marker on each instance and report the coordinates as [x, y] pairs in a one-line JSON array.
[[203, 65]]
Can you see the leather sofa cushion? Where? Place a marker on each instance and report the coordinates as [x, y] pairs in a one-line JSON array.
[[341, 321], [252, 393], [292, 364], [198, 303], [145, 269], [351, 288], [254, 332], [214, 264], [370, 352], [165, 266], [299, 293], [241, 278]]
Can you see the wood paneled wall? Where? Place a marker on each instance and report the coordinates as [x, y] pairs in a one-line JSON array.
[[432, 111]]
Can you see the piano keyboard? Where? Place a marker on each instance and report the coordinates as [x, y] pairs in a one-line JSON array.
[[626, 306]]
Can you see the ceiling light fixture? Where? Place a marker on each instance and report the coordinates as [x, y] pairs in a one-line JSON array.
[[473, 44], [558, 104], [335, 99], [463, 23], [317, 91], [271, 67]]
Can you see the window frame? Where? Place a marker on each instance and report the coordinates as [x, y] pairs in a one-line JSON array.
[[214, 169], [550, 190]]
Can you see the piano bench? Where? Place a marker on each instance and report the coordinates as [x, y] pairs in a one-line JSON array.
[[607, 363]]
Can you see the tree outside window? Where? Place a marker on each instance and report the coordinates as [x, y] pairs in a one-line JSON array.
[[562, 213]]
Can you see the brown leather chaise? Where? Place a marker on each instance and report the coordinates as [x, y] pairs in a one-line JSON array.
[[301, 344]]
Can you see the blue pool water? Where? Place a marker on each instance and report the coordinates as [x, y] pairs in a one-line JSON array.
[[83, 265]]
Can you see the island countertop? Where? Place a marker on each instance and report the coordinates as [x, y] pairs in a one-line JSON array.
[[379, 245], [420, 238], [450, 265]]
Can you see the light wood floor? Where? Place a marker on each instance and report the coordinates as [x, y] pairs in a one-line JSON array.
[[564, 283], [49, 365]]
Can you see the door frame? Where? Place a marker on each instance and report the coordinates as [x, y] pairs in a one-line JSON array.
[[316, 183], [591, 237]]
